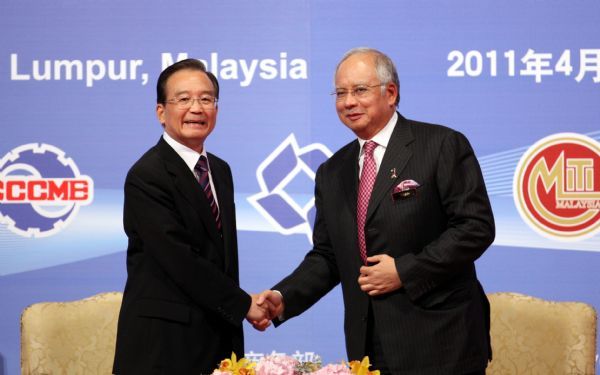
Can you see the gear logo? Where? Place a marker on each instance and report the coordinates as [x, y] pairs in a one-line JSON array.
[[276, 173], [557, 186], [41, 190]]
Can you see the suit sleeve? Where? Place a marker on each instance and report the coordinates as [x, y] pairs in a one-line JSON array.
[[470, 223], [318, 272], [152, 218]]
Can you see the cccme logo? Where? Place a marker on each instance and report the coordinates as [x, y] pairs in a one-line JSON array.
[[41, 190], [556, 186]]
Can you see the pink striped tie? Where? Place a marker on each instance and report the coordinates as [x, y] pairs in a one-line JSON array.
[[202, 169], [367, 180]]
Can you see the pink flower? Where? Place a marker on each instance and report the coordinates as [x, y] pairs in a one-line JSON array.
[[276, 365], [333, 369]]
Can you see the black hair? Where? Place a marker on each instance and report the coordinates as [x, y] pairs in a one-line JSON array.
[[187, 64]]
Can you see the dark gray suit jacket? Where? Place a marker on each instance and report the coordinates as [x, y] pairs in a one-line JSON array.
[[182, 308], [438, 322]]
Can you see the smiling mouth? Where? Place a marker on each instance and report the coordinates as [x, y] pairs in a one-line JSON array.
[[195, 123], [353, 116]]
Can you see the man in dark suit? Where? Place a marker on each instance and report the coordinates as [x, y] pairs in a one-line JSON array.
[[402, 214], [182, 308]]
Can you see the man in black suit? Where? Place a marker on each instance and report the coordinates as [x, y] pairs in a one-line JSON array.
[[182, 308], [402, 214]]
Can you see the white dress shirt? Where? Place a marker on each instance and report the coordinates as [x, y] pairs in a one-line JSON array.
[[191, 157], [382, 139]]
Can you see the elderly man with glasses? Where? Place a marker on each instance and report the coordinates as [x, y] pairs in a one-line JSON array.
[[182, 308], [402, 213]]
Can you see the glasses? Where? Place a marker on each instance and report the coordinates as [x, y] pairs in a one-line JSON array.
[[205, 101], [359, 92]]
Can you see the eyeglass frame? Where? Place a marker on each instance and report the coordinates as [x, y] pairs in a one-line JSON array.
[[178, 102], [353, 91]]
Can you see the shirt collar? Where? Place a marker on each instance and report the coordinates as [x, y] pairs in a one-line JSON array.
[[383, 137], [189, 156]]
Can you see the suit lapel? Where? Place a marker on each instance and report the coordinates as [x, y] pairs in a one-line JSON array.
[[349, 177], [394, 160], [187, 185], [225, 206], [349, 180]]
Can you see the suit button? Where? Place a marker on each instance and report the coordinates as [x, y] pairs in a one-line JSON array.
[[364, 319]]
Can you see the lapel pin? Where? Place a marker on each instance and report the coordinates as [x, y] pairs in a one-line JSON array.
[[393, 173]]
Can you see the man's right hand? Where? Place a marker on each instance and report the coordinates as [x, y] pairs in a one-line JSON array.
[[258, 315], [272, 302]]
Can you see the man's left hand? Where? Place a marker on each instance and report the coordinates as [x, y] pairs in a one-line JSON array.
[[381, 277]]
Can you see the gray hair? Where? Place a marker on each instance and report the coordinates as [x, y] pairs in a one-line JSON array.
[[384, 67]]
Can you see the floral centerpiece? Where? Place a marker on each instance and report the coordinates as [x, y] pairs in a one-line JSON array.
[[286, 365]]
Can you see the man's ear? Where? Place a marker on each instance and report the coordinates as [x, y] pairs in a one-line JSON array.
[[160, 113], [393, 93]]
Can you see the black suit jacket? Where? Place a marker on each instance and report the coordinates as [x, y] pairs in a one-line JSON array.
[[438, 322], [182, 308]]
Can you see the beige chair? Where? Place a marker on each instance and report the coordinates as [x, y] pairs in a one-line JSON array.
[[534, 336], [70, 337]]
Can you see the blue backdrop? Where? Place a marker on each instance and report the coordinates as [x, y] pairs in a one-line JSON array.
[[80, 76]]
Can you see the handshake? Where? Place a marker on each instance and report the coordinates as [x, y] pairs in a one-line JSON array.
[[265, 307], [379, 278]]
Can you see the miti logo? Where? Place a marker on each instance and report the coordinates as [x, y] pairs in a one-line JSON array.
[[557, 186], [41, 190]]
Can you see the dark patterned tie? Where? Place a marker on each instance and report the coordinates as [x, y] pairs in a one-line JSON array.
[[367, 180], [201, 169]]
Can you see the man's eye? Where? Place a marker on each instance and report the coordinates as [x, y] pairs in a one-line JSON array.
[[183, 100], [360, 91], [206, 100], [341, 94]]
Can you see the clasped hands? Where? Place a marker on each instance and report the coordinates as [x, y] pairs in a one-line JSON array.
[[265, 307], [379, 278]]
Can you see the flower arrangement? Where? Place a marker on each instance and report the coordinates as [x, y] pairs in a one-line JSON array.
[[286, 365]]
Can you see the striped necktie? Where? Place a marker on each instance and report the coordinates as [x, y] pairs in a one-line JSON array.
[[201, 169]]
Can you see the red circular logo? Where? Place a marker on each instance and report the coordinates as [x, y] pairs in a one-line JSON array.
[[557, 186]]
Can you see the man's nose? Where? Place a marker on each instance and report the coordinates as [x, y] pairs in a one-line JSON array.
[[196, 106], [349, 100]]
